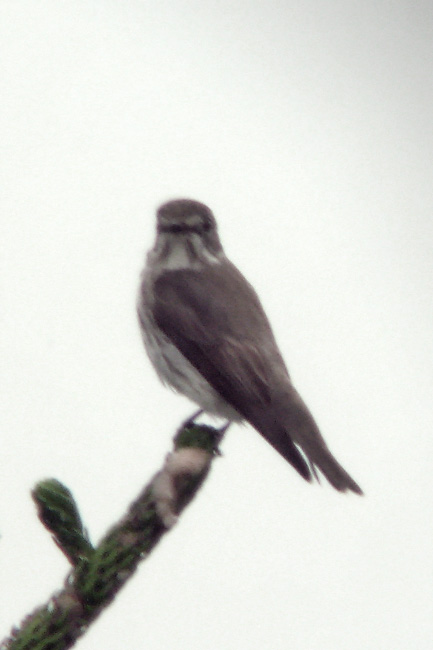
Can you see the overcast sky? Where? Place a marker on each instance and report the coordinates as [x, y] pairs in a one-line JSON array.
[[307, 128]]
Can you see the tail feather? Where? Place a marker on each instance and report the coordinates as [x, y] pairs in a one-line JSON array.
[[294, 429], [333, 471], [279, 439], [302, 428], [318, 458]]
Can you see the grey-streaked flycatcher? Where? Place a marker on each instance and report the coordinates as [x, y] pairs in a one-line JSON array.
[[208, 337]]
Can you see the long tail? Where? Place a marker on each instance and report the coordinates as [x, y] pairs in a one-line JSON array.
[[331, 468], [303, 430], [293, 426]]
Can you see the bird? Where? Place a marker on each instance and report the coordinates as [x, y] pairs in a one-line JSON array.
[[208, 338]]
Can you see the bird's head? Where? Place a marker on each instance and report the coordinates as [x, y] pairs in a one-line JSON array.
[[190, 223]]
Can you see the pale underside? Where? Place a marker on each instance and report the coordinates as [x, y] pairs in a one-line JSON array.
[[208, 337]]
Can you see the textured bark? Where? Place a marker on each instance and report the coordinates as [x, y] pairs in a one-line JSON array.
[[99, 572]]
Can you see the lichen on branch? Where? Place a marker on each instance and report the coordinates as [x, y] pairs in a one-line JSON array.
[[98, 573]]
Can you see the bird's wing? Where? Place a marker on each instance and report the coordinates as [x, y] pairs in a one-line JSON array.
[[214, 317]]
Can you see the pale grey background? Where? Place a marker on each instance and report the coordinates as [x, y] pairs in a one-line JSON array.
[[307, 127]]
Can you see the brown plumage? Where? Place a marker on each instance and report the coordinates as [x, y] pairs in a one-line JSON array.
[[207, 310]]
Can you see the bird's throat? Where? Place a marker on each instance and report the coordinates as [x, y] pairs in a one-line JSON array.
[[177, 252]]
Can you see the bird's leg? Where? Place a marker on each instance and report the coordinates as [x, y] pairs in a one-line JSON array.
[[190, 421]]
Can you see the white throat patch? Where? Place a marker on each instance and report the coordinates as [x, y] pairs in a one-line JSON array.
[[188, 255]]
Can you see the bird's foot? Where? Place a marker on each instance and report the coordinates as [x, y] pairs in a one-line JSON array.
[[218, 434]]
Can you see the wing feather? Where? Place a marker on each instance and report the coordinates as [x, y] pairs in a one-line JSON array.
[[216, 320]]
